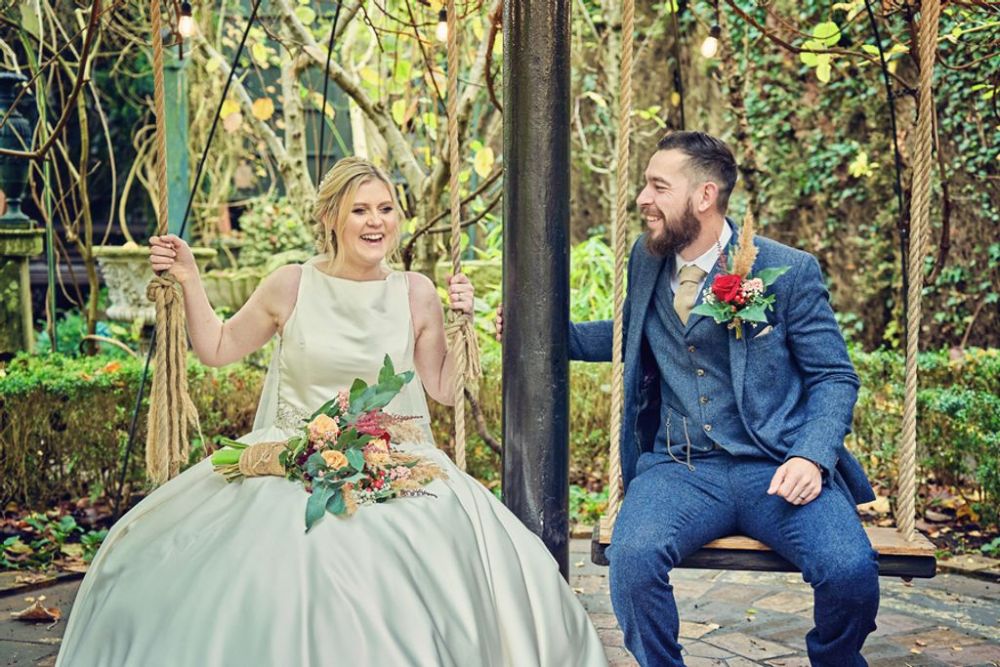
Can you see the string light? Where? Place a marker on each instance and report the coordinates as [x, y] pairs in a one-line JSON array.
[[711, 44], [442, 26], [185, 24]]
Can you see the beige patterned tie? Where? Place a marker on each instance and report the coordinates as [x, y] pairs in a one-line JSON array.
[[687, 292]]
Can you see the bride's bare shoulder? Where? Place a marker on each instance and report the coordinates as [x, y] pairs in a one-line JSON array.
[[280, 290]]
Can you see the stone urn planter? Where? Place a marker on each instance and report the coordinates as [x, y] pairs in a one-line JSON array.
[[127, 272], [230, 288]]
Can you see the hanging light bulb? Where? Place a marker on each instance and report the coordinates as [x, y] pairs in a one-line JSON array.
[[442, 26], [711, 44], [185, 24]]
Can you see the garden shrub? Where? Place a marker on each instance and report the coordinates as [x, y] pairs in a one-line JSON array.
[[64, 421]]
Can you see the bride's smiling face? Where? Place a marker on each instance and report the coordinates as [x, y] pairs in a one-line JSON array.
[[371, 228]]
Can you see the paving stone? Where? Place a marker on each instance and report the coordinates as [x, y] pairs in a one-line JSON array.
[[704, 662], [890, 623], [23, 654], [690, 589], [786, 601], [748, 646], [589, 583], [741, 662], [604, 621], [617, 653], [911, 660], [880, 649], [699, 649], [691, 630], [975, 654], [791, 661], [938, 637], [596, 603], [623, 662], [730, 593], [612, 638]]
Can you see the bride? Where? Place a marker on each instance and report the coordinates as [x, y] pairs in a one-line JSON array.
[[203, 572]]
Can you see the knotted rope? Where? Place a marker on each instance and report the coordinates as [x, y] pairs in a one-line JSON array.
[[171, 410], [920, 221], [460, 330], [619, 234]]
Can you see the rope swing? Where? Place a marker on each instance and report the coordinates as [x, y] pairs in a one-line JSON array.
[[902, 551], [920, 221], [459, 329], [171, 410], [619, 239]]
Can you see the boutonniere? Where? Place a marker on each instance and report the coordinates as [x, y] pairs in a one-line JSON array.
[[736, 295]]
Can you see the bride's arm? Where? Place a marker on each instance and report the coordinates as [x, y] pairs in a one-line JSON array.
[[430, 352], [218, 342]]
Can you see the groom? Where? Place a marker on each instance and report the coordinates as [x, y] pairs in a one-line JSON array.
[[724, 436]]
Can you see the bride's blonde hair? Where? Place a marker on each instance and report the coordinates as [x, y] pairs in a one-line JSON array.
[[335, 196]]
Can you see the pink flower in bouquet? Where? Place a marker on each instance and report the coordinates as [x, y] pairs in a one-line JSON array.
[[323, 429], [344, 400]]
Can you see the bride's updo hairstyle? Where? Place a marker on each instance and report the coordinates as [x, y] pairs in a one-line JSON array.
[[335, 196]]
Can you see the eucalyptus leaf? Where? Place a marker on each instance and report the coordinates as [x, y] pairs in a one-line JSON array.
[[754, 313], [769, 275], [316, 505], [335, 504], [356, 458]]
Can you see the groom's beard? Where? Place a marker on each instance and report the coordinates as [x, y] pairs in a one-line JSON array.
[[675, 235]]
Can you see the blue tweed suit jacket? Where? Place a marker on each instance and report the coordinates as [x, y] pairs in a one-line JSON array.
[[795, 386]]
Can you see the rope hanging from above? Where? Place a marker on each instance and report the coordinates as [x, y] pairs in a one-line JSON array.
[[927, 36], [171, 410], [460, 329], [619, 238]]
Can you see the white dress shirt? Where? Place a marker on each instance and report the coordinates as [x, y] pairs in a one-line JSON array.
[[706, 262]]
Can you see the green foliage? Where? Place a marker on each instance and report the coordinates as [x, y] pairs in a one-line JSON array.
[[64, 421], [46, 539], [958, 413], [827, 174], [586, 507], [272, 227]]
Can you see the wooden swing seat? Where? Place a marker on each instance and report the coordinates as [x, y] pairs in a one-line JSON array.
[[897, 557]]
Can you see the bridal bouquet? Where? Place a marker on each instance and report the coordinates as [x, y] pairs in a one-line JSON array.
[[343, 456]]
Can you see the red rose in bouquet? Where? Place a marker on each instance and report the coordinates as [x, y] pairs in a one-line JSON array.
[[726, 287]]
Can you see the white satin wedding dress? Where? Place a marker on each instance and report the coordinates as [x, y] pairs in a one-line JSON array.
[[205, 573]]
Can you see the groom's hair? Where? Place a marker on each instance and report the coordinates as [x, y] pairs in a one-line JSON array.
[[708, 157]]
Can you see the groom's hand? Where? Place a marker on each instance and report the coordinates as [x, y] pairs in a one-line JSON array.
[[797, 480]]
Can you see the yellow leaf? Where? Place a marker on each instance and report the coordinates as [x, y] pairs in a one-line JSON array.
[[675, 99], [212, 65], [263, 108], [399, 111], [484, 161], [369, 76], [228, 109], [477, 29], [823, 70], [259, 52], [305, 14]]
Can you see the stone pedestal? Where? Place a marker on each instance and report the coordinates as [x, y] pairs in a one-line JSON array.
[[127, 272], [16, 247]]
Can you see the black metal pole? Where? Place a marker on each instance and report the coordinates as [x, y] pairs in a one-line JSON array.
[[536, 268]]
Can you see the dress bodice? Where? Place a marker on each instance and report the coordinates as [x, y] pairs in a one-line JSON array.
[[339, 330]]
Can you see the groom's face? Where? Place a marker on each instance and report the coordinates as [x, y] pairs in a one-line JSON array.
[[666, 206]]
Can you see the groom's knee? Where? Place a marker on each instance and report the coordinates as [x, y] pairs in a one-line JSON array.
[[639, 564]]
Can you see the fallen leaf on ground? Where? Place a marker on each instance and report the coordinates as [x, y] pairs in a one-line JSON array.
[[37, 612]]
